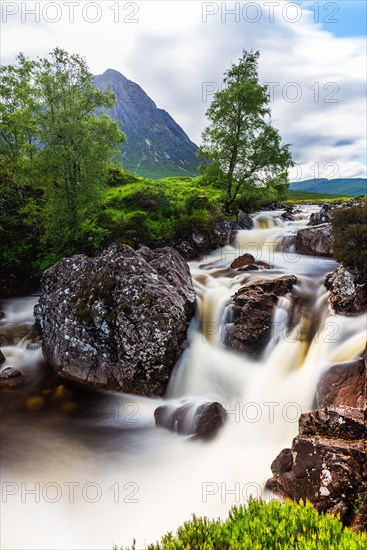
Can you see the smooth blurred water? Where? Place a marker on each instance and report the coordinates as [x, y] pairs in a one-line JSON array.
[[84, 469]]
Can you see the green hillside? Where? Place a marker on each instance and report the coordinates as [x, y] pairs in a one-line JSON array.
[[350, 187]]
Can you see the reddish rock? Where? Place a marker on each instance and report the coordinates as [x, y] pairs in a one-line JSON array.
[[242, 261], [253, 307], [343, 385], [329, 463]]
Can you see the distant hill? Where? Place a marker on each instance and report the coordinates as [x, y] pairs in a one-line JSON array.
[[157, 146], [342, 186]]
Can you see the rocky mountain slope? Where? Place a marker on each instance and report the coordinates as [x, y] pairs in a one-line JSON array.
[[157, 146]]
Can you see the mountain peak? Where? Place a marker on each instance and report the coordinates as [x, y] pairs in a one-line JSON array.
[[156, 145]]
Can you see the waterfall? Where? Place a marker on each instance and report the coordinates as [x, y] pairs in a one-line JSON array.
[[104, 473]]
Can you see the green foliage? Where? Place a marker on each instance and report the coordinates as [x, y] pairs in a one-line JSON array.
[[350, 239], [275, 525], [245, 150], [56, 150], [154, 213], [307, 196], [117, 176]]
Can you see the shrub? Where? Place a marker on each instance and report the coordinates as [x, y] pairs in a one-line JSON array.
[[350, 239], [275, 525]]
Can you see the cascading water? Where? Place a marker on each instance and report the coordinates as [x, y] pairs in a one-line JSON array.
[[86, 469]]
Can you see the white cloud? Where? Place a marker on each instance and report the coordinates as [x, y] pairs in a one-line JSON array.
[[171, 52]]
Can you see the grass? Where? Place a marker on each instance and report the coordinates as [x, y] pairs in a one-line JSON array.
[[309, 196], [276, 525]]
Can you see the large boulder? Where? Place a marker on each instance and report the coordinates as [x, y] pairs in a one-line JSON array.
[[328, 460], [315, 241], [327, 464], [346, 296], [201, 421], [117, 321], [252, 310], [343, 385]]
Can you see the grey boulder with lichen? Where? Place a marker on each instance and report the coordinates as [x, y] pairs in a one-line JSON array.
[[118, 321]]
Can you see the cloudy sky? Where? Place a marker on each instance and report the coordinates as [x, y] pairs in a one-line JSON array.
[[313, 57]]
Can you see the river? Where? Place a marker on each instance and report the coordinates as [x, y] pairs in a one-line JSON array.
[[86, 469]]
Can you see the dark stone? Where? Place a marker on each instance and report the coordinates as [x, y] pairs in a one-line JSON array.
[[252, 309], [203, 421], [339, 422], [2, 357], [117, 321], [315, 241], [323, 216], [10, 377], [34, 345], [197, 244], [244, 220], [328, 463]]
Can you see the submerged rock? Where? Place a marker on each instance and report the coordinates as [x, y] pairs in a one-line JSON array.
[[252, 309], [202, 421], [117, 321], [315, 241], [346, 296], [10, 377]]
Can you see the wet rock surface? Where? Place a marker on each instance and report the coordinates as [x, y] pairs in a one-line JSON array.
[[327, 463], [247, 262], [252, 309], [117, 321], [323, 216], [346, 296], [202, 422], [315, 241], [10, 377], [343, 385]]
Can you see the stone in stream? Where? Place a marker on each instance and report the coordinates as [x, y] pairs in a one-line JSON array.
[[117, 321], [323, 216], [2, 357], [328, 460], [244, 220], [327, 463], [253, 307], [346, 296], [201, 421], [10, 377], [247, 262], [315, 241]]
